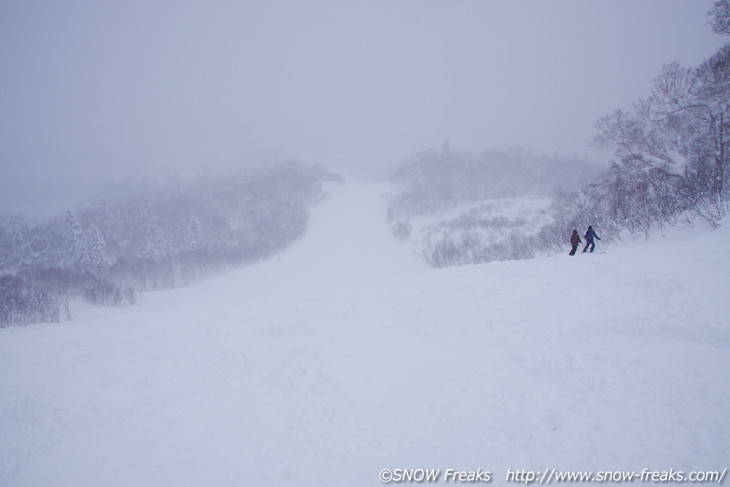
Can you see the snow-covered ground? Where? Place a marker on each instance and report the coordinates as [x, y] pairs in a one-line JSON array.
[[346, 355]]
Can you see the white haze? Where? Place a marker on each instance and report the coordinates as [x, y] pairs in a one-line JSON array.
[[96, 90]]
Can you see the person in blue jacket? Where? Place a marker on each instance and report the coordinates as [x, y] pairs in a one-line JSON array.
[[589, 236]]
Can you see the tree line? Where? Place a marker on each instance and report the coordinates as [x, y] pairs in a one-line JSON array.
[[670, 151], [107, 252]]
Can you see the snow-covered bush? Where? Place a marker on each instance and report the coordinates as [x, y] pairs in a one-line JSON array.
[[23, 302], [402, 230]]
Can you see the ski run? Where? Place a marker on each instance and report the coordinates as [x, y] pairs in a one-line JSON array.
[[347, 355]]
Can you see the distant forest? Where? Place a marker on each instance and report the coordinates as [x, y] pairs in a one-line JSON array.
[[434, 181], [108, 251]]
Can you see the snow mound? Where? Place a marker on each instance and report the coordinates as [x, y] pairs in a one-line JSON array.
[[346, 355]]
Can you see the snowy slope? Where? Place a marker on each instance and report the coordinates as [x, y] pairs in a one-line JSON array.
[[346, 355]]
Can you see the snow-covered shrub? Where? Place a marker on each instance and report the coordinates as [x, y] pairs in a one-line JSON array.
[[103, 293], [23, 302], [402, 230]]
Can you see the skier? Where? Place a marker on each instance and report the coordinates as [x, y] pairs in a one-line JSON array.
[[574, 242], [589, 236]]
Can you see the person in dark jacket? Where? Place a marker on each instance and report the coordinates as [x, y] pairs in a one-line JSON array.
[[574, 242], [590, 235]]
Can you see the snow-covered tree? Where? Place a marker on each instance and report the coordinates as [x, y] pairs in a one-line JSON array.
[[720, 17], [196, 238], [153, 241], [678, 138], [97, 258], [76, 245], [15, 245]]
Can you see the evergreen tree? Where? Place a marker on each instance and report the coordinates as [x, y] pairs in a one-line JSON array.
[[153, 241], [77, 254], [196, 238], [97, 261], [16, 247]]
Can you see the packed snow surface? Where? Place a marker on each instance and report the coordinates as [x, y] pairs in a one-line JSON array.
[[346, 355]]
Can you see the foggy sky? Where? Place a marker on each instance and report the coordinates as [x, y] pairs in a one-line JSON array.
[[92, 89]]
